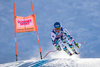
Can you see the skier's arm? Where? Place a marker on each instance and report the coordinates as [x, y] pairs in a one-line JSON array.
[[55, 41], [53, 37]]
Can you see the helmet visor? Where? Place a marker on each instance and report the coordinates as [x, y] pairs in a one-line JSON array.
[[57, 26]]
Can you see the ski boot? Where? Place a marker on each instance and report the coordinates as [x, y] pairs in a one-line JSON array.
[[58, 47], [70, 54], [67, 51], [75, 51]]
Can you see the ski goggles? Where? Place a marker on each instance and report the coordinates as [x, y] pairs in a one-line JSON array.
[[58, 29]]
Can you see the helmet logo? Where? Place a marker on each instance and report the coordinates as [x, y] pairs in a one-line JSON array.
[[57, 26]]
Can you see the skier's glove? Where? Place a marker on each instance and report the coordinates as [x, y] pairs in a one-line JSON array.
[[77, 44], [58, 47]]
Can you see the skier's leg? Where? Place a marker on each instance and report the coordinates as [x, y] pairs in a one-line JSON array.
[[73, 49], [65, 46], [67, 51]]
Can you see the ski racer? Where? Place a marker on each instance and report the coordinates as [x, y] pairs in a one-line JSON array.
[[61, 34]]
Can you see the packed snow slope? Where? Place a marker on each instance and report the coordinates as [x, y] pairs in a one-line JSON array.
[[58, 60]]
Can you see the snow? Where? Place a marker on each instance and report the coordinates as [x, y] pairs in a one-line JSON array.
[[57, 62], [59, 59]]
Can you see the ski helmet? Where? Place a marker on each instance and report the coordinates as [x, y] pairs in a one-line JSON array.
[[57, 25]]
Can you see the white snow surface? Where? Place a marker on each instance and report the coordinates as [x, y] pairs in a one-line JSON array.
[[59, 59]]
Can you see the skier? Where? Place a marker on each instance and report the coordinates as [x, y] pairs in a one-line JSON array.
[[61, 34]]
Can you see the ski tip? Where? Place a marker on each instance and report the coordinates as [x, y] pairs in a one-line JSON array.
[[78, 54]]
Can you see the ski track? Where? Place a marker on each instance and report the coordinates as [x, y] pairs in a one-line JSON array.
[[31, 64], [36, 64]]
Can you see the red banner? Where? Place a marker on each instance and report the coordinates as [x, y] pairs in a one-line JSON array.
[[25, 24]]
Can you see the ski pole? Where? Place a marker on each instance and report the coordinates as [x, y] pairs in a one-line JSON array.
[[49, 53]]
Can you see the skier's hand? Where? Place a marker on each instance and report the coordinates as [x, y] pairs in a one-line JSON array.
[[77, 44], [58, 47]]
